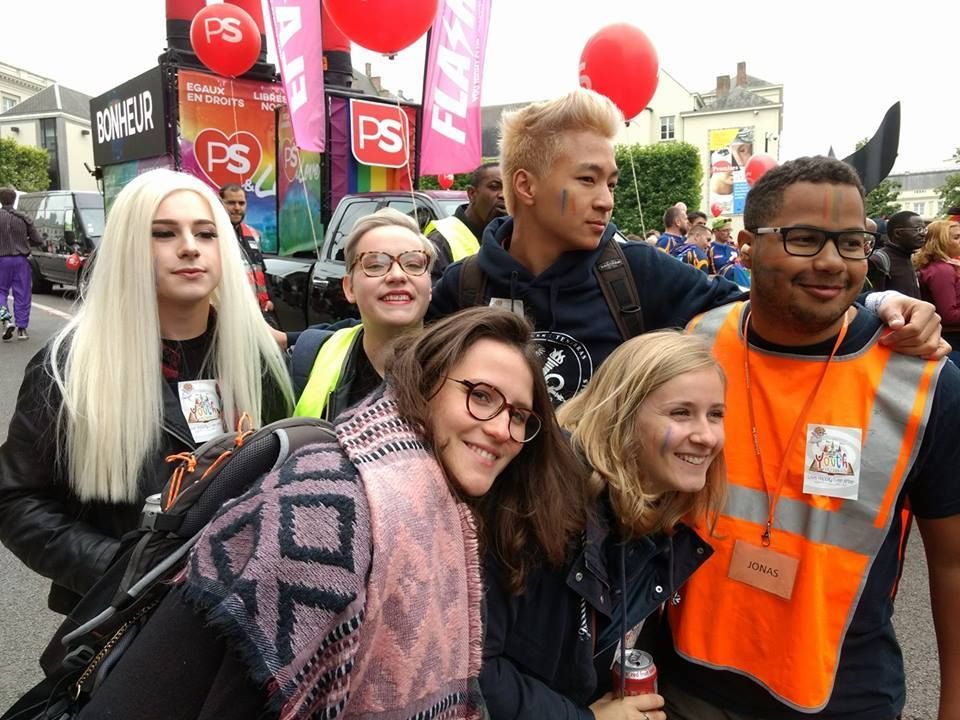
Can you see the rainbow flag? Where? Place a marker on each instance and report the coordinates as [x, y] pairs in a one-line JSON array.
[[347, 176]]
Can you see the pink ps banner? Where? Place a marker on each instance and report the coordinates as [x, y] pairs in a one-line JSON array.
[[451, 98], [296, 29]]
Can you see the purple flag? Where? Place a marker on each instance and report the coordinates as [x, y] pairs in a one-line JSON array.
[[296, 30], [451, 100]]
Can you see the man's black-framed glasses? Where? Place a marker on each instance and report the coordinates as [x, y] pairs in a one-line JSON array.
[[485, 402], [805, 241], [377, 263]]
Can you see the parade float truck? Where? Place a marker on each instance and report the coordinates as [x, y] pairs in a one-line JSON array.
[[239, 131]]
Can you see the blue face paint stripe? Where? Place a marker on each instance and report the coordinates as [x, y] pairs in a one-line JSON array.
[[666, 442]]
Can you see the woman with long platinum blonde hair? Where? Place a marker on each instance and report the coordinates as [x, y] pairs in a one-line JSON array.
[[166, 350]]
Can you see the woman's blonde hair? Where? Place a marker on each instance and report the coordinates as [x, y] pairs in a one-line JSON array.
[[106, 362], [935, 246], [384, 217], [532, 137], [603, 422]]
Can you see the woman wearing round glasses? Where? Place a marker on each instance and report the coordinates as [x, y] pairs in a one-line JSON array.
[[347, 583], [388, 279]]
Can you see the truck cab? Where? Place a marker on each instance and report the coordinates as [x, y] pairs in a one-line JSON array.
[[307, 292]]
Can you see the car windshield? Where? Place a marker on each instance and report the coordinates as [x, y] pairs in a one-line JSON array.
[[450, 206], [90, 208]]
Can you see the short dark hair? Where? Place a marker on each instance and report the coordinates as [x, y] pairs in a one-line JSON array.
[[899, 220], [230, 187], [671, 216], [765, 199], [7, 197], [476, 177], [696, 214]]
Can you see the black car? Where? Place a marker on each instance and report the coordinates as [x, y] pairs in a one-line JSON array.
[[68, 222]]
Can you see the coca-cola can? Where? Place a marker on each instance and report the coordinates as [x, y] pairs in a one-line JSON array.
[[639, 672]]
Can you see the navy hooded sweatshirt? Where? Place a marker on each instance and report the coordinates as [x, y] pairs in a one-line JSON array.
[[574, 326]]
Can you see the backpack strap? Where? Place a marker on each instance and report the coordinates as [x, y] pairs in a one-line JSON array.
[[619, 289], [472, 282], [303, 355]]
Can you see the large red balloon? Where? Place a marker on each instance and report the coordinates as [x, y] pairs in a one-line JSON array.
[[386, 26], [757, 166], [445, 181], [716, 209], [619, 61], [225, 39]]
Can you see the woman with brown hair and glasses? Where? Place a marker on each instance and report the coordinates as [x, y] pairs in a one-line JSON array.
[[388, 278], [347, 583]]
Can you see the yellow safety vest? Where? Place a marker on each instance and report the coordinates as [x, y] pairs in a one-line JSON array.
[[457, 234], [325, 373]]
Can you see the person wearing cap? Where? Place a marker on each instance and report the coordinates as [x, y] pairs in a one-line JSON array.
[[721, 251]]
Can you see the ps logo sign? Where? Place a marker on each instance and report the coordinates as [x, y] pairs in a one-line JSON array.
[[379, 133], [227, 28], [225, 159]]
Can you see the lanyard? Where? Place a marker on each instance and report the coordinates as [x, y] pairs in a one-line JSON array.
[[801, 419]]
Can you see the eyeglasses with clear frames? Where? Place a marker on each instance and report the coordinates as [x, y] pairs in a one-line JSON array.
[[485, 402], [803, 241], [377, 263]]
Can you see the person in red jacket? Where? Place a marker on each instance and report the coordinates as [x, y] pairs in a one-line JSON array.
[[234, 199], [938, 270]]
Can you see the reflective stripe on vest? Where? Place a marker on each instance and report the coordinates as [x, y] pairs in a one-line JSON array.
[[792, 647], [325, 373], [458, 236]]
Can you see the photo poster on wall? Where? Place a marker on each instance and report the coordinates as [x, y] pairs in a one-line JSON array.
[[115, 177], [228, 134], [730, 149], [299, 192]]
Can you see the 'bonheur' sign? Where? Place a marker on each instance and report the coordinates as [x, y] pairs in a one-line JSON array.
[[128, 121], [378, 133]]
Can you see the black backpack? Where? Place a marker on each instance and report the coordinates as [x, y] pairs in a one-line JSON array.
[[613, 275], [105, 622]]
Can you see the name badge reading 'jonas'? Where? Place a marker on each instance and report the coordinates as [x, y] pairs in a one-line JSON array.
[[763, 568], [832, 461]]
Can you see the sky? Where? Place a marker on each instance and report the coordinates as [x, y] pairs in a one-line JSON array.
[[839, 62]]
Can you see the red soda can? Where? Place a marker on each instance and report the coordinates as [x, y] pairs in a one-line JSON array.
[[639, 672]]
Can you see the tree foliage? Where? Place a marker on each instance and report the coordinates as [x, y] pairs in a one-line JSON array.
[[23, 167], [950, 190], [881, 202], [666, 173]]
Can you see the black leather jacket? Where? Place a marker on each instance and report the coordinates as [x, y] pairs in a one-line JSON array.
[[42, 521], [536, 661]]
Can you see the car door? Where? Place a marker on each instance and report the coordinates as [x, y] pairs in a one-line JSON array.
[[327, 301]]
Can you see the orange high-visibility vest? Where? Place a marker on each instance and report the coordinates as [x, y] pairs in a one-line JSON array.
[[792, 647]]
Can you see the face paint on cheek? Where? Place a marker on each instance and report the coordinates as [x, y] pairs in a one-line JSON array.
[[563, 201], [666, 443]]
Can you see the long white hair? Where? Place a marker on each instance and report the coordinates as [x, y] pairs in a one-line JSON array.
[[106, 362]]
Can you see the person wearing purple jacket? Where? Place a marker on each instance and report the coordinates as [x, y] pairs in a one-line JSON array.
[[938, 270]]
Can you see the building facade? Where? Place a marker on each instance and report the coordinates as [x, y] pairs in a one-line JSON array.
[[16, 85], [919, 191], [56, 119]]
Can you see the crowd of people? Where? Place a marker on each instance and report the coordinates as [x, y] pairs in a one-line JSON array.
[[568, 445]]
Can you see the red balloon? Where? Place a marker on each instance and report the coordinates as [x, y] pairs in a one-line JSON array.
[[757, 166], [445, 181], [619, 61], [225, 39], [716, 209], [386, 26], [73, 262]]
